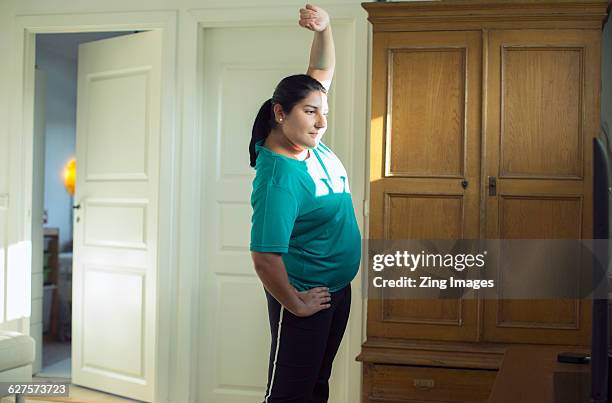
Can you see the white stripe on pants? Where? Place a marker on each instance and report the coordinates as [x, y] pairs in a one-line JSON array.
[[278, 335]]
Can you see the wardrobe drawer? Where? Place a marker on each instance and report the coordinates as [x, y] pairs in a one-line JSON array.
[[425, 384]]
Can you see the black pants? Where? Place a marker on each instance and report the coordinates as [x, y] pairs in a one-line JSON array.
[[303, 350]]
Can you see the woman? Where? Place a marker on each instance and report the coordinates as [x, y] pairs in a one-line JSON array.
[[305, 242]]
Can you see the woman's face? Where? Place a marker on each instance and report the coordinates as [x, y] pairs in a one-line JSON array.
[[305, 124]]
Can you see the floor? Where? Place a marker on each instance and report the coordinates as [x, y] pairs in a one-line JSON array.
[[56, 368], [56, 361]]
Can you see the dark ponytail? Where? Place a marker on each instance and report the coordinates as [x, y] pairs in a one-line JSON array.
[[261, 128], [288, 93]]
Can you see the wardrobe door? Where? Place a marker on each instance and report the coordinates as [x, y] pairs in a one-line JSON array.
[[425, 170], [542, 110]]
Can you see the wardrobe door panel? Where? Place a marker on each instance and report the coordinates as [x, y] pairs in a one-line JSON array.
[[542, 111], [425, 168], [426, 98], [541, 122]]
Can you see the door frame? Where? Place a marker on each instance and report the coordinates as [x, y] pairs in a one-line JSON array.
[[21, 126]]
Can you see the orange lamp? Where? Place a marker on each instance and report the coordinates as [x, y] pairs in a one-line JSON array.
[[70, 176]]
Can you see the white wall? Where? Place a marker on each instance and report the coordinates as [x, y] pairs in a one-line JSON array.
[[6, 70]]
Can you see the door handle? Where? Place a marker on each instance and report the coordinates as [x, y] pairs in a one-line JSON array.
[[492, 186], [78, 206]]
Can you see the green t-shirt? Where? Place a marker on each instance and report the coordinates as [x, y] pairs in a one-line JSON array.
[[303, 210]]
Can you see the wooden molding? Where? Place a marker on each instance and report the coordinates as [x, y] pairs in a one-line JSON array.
[[471, 14], [451, 354]]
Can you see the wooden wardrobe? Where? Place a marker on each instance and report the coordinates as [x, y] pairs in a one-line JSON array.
[[483, 114]]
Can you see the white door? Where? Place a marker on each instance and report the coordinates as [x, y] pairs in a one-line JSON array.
[[241, 68], [116, 222]]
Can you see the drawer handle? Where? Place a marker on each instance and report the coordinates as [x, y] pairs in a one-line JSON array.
[[424, 383]]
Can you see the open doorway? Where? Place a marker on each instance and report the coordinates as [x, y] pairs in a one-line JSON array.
[[54, 153], [126, 136]]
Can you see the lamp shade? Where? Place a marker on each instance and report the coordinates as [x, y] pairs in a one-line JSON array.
[[70, 176]]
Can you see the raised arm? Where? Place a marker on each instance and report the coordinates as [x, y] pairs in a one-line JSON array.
[[322, 53]]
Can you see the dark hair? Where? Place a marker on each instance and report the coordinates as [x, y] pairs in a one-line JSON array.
[[289, 91]]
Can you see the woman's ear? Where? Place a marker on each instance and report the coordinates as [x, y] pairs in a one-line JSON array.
[[279, 114]]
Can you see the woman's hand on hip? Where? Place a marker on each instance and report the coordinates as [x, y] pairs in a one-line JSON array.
[[313, 18], [314, 300]]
